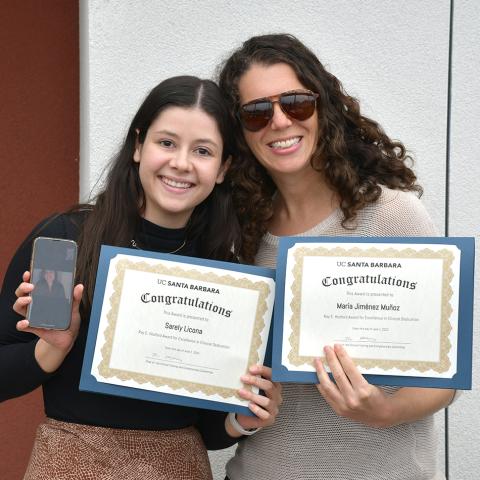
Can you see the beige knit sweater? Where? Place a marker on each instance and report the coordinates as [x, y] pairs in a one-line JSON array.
[[308, 440]]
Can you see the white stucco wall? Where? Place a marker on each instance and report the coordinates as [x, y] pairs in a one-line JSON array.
[[464, 216], [391, 54]]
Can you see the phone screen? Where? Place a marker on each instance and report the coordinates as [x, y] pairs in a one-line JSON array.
[[52, 274]]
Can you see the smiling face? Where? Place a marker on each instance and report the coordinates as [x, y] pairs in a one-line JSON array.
[[285, 145], [180, 162]]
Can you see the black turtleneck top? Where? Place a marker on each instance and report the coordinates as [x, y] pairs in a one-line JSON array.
[[20, 373], [166, 240]]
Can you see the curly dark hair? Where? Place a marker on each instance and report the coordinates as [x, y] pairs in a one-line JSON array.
[[353, 152]]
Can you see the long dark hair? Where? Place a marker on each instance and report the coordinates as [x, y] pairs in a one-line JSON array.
[[116, 213], [353, 152]]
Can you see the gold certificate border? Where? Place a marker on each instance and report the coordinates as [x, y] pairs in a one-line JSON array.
[[106, 371], [442, 365]]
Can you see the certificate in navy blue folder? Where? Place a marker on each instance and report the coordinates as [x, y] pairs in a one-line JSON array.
[[401, 307], [175, 329]]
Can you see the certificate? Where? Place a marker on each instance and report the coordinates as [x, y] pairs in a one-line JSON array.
[[176, 329], [402, 308]]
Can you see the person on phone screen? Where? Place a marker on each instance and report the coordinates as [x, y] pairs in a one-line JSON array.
[[309, 163], [165, 191], [49, 286]]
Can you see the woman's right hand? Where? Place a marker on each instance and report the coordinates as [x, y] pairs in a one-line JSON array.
[[53, 345]]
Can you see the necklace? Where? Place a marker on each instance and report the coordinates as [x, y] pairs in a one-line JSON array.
[[133, 243]]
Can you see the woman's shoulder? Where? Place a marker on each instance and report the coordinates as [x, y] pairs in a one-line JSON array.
[[397, 212], [65, 225], [400, 200], [59, 225]]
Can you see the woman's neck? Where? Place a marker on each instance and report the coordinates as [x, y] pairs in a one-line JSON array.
[[301, 202]]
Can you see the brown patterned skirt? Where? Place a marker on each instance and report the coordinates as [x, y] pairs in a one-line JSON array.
[[69, 451]]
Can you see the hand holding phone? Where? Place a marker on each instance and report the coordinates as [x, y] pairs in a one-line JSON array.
[[54, 345], [52, 274]]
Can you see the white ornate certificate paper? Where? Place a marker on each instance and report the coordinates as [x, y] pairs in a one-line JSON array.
[[394, 306], [174, 327]]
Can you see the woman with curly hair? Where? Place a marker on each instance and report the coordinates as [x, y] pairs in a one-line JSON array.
[[309, 163]]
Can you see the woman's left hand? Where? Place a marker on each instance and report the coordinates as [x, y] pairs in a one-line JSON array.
[[350, 395], [265, 407]]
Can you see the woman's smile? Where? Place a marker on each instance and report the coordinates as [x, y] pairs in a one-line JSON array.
[[286, 146], [175, 184]]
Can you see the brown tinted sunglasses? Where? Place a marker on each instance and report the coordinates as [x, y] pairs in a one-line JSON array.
[[256, 114]]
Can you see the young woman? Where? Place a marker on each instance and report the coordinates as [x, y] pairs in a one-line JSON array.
[[164, 192], [48, 285], [309, 163]]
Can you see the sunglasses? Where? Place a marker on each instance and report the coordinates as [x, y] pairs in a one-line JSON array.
[[256, 114]]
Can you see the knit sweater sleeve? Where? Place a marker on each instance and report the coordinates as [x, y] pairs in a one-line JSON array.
[[19, 371]]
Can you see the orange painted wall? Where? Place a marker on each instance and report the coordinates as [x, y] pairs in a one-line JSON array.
[[39, 125]]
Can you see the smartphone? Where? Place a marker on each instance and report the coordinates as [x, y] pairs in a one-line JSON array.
[[52, 272]]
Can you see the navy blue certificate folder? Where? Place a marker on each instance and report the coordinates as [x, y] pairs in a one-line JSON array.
[[88, 382], [462, 379]]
